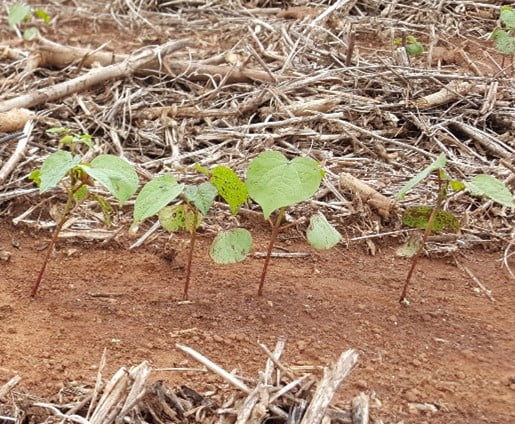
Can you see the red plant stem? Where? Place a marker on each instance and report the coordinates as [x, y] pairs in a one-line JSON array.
[[53, 241], [275, 231], [193, 237], [442, 193]]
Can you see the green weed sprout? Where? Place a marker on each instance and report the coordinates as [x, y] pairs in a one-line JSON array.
[[275, 183], [68, 170], [434, 218], [410, 44], [20, 14], [156, 196], [504, 36]]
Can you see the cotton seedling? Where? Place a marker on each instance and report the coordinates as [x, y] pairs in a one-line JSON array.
[[195, 203], [69, 171], [434, 218], [275, 183]]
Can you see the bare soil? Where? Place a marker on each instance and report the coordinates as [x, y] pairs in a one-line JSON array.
[[452, 347]]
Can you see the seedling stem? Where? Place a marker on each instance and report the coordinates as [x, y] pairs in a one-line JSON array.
[[442, 195], [66, 215], [276, 227], [193, 238]]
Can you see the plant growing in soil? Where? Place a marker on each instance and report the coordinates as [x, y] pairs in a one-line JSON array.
[[70, 171], [155, 197], [434, 218], [275, 183], [21, 14], [504, 36], [412, 46]]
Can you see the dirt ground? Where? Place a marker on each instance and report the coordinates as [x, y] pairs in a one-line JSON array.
[[452, 347]]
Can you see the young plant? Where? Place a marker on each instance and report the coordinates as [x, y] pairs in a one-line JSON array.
[[411, 45], [504, 36], [434, 218], [21, 14], [68, 170], [275, 183], [156, 195]]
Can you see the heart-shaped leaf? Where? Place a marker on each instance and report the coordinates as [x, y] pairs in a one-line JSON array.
[[154, 196], [275, 182], [231, 246], [202, 196], [321, 234], [55, 167], [115, 174]]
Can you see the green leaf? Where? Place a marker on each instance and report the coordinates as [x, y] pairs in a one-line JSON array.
[[414, 49], [439, 162], [321, 234], [505, 43], [457, 185], [115, 174], [179, 217], [410, 247], [507, 16], [81, 193], [231, 246], [418, 217], [35, 176], [107, 209], [230, 187], [41, 14], [275, 182], [202, 196], [66, 139], [155, 195], [30, 33], [491, 187], [18, 13], [55, 167], [201, 169], [57, 130]]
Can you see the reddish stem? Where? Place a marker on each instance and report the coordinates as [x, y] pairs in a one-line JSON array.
[[275, 231], [55, 235], [442, 194], [193, 237]]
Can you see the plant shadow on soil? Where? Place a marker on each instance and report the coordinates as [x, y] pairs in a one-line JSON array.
[[452, 347]]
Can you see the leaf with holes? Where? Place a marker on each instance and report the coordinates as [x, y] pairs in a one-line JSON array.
[[232, 189], [418, 217], [179, 217], [231, 246]]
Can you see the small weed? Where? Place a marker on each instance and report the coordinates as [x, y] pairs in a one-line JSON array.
[[21, 15], [411, 45], [434, 218], [68, 170]]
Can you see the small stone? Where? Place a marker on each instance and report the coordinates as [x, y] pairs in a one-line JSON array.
[[426, 317], [460, 375], [392, 318], [218, 338], [411, 395], [416, 362], [362, 385], [5, 255], [301, 345]]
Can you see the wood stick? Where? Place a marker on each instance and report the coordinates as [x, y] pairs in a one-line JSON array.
[[381, 203], [18, 152], [328, 386], [92, 78], [360, 408]]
